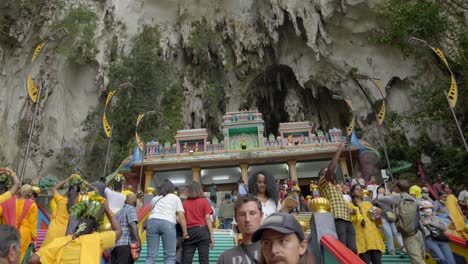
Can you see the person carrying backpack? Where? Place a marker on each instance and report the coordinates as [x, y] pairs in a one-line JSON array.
[[407, 222]]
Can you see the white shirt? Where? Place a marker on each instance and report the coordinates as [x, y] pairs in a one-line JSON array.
[[269, 207], [115, 200], [463, 196], [166, 207], [347, 198]]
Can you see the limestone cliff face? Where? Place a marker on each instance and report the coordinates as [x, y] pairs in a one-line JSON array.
[[285, 57]]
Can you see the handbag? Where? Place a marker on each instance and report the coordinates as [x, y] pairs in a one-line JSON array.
[[390, 216], [437, 234]]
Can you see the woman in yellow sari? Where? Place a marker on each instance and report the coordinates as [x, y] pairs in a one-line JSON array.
[[21, 212], [455, 211], [58, 224], [370, 245]]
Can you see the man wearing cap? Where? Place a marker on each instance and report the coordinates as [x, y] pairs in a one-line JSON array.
[[248, 215], [344, 227], [128, 220], [282, 241]]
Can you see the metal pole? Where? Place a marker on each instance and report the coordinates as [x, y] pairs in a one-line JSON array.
[[384, 145], [456, 122], [350, 156], [31, 130], [107, 153], [141, 167]]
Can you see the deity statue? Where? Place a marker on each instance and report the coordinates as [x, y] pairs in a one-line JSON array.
[[290, 140], [301, 140]]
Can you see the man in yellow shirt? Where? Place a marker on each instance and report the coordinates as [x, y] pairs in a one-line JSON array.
[[84, 247]]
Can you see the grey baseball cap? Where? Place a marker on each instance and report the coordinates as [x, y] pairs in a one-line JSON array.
[[282, 223]]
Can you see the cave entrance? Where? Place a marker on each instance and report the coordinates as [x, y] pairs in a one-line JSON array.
[[278, 96], [267, 92]]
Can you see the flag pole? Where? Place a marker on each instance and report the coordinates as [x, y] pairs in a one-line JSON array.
[[456, 121], [141, 167], [31, 130], [107, 152], [379, 128]]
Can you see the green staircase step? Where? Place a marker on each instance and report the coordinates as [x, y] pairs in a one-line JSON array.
[[223, 242]]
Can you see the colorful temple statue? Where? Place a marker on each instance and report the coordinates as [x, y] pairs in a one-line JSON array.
[[295, 133], [335, 134], [191, 140], [243, 130]]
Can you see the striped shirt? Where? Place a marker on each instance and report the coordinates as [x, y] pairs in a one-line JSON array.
[[125, 216]]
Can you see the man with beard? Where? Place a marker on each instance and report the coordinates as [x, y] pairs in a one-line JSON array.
[[282, 240], [248, 215]]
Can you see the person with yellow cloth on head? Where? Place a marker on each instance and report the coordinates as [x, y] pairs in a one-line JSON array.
[[59, 222], [87, 244], [21, 212], [416, 191]]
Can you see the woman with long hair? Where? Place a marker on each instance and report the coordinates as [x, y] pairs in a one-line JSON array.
[[198, 213], [166, 211], [369, 242], [263, 186]]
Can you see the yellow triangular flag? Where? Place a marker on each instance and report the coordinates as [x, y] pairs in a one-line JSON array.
[[137, 138], [32, 89], [381, 114], [37, 50], [350, 127], [453, 91], [109, 97], [107, 127]]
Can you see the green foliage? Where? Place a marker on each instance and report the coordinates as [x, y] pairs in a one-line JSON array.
[[156, 86], [47, 182], [422, 19], [6, 180], [207, 50], [67, 160], [79, 45]]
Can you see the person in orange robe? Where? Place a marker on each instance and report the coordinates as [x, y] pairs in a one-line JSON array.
[[21, 212]]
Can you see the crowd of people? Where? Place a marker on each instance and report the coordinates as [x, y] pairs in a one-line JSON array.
[[261, 214]]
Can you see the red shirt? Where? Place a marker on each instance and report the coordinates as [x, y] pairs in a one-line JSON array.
[[195, 211]]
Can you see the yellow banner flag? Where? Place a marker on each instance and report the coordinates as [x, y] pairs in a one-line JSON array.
[[109, 97], [381, 114], [37, 50], [140, 117], [350, 128], [137, 138], [32, 89], [441, 56], [453, 91], [107, 127]]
